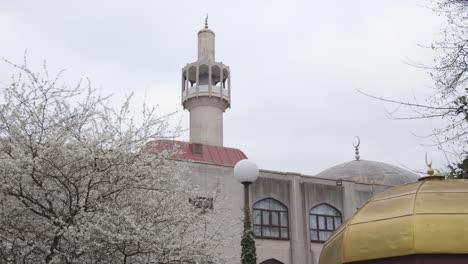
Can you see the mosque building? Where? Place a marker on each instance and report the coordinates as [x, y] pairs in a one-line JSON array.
[[293, 214]]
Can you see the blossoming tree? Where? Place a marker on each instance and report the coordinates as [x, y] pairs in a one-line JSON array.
[[76, 185]]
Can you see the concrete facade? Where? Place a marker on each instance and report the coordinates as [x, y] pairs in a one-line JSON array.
[[299, 193], [202, 109]]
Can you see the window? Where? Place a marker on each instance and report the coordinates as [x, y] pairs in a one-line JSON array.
[[323, 220], [197, 149], [270, 219]]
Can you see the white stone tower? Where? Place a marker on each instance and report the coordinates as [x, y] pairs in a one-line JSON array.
[[206, 92]]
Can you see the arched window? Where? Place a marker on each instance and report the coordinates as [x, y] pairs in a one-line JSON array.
[[192, 76], [271, 261], [204, 77], [225, 77], [323, 220], [216, 74], [270, 219]]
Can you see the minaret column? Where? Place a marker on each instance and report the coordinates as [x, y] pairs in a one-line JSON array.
[[208, 98], [203, 109]]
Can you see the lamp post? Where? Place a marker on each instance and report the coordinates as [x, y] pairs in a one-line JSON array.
[[246, 172]]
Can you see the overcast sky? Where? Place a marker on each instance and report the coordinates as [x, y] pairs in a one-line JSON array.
[[295, 68]]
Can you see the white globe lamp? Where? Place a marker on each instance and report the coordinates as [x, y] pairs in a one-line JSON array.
[[246, 171]]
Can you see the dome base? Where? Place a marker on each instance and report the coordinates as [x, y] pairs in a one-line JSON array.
[[420, 259]]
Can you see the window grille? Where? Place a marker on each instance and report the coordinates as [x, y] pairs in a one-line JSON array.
[[323, 220], [270, 219]]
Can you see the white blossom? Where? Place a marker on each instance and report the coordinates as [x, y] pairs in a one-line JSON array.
[[77, 186]]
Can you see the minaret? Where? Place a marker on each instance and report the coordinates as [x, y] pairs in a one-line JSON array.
[[206, 92]]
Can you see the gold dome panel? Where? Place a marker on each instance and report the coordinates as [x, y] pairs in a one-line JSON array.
[[426, 217]]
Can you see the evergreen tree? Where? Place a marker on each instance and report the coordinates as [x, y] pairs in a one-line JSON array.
[[249, 254]]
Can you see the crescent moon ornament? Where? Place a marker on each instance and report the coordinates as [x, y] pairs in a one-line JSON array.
[[429, 164], [430, 171], [358, 142]]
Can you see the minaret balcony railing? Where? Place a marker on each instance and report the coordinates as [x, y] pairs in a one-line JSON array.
[[204, 90]]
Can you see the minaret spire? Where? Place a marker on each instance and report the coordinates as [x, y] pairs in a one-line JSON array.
[[206, 91]]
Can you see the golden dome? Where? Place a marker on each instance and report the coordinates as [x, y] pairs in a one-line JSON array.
[[425, 217]]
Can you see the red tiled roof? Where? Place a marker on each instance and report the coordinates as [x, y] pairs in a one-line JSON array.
[[210, 154]]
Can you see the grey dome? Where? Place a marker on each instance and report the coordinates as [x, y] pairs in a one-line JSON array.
[[371, 172]]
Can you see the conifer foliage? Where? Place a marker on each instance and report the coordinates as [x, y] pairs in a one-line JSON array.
[[249, 254]]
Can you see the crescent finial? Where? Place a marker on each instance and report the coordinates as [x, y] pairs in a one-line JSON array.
[[206, 22], [430, 171], [358, 142]]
